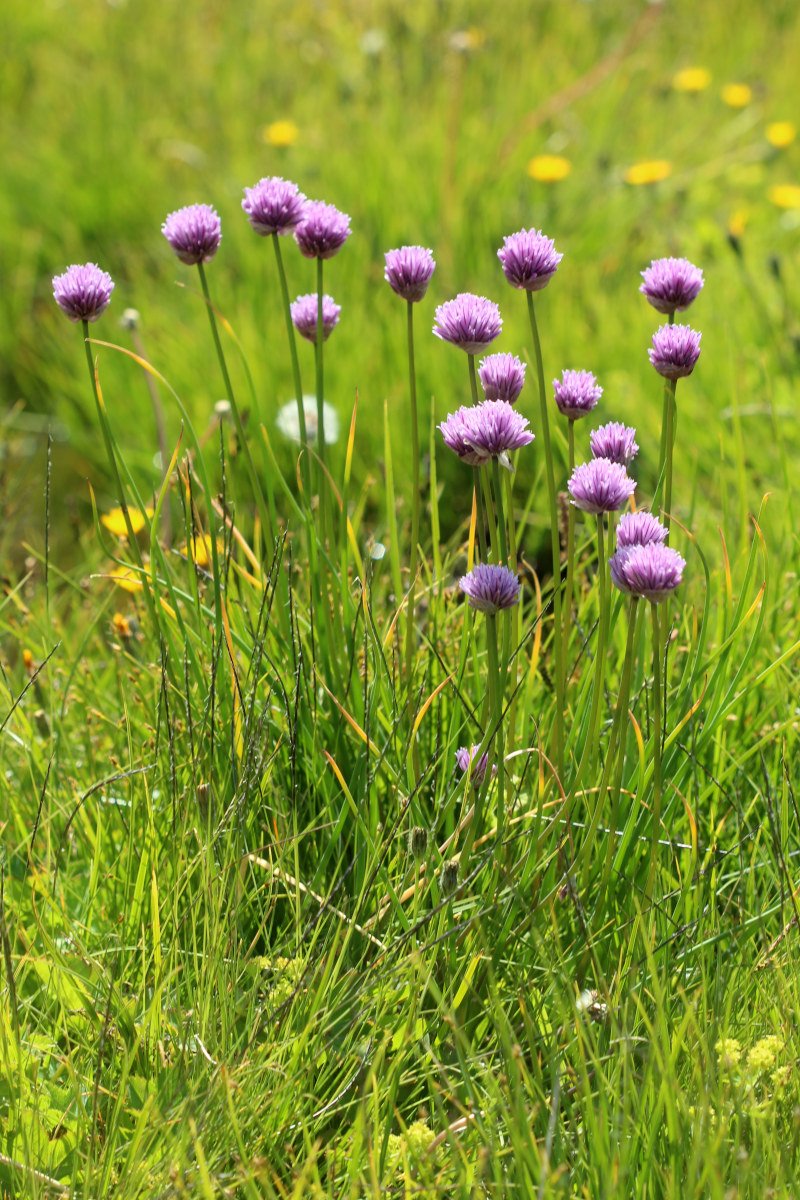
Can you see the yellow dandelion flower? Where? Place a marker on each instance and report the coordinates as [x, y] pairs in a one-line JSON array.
[[781, 134], [281, 133], [114, 521], [201, 550], [127, 579], [28, 661], [785, 195], [654, 170], [736, 95], [691, 79], [549, 168]]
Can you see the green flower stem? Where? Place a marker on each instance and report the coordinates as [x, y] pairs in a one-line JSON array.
[[500, 515], [480, 517], [669, 400], [112, 459], [473, 379], [584, 858], [415, 493], [657, 722], [665, 419], [268, 515], [320, 379], [590, 746], [298, 384], [554, 541], [569, 598], [514, 625], [490, 513], [496, 692], [619, 738]]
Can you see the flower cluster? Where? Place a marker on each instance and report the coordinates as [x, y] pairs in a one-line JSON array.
[[502, 377], [576, 393], [469, 322], [600, 486], [274, 205], [671, 284], [490, 588], [408, 271], [529, 259], [304, 312], [194, 233], [675, 350], [614, 441], [83, 293]]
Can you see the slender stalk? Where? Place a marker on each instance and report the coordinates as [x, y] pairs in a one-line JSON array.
[[473, 379], [500, 515], [669, 399], [298, 384], [490, 513], [497, 691], [569, 598], [415, 492], [657, 721], [619, 738], [480, 520], [554, 540], [590, 745], [665, 417], [320, 381], [268, 515]]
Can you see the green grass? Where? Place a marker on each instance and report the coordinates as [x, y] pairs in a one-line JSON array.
[[223, 972]]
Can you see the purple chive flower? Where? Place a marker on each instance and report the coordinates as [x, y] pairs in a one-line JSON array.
[[466, 758], [491, 429], [194, 232], [83, 291], [408, 271], [469, 322], [323, 230], [489, 588], [576, 393], [614, 441], [675, 350], [671, 284], [639, 529], [455, 431], [304, 316], [502, 377], [495, 429], [652, 571], [529, 259], [600, 486], [274, 205]]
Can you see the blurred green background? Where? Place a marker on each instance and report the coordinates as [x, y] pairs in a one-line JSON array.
[[420, 119]]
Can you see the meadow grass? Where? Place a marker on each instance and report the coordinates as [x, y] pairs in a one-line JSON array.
[[237, 957]]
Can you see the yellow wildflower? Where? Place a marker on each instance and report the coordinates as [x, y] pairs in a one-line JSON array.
[[729, 1051], [736, 95], [781, 1076], [785, 195], [28, 661], [762, 1056], [201, 550], [114, 521], [691, 79], [127, 579], [281, 133], [781, 134], [549, 168], [122, 626], [737, 222], [651, 171]]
